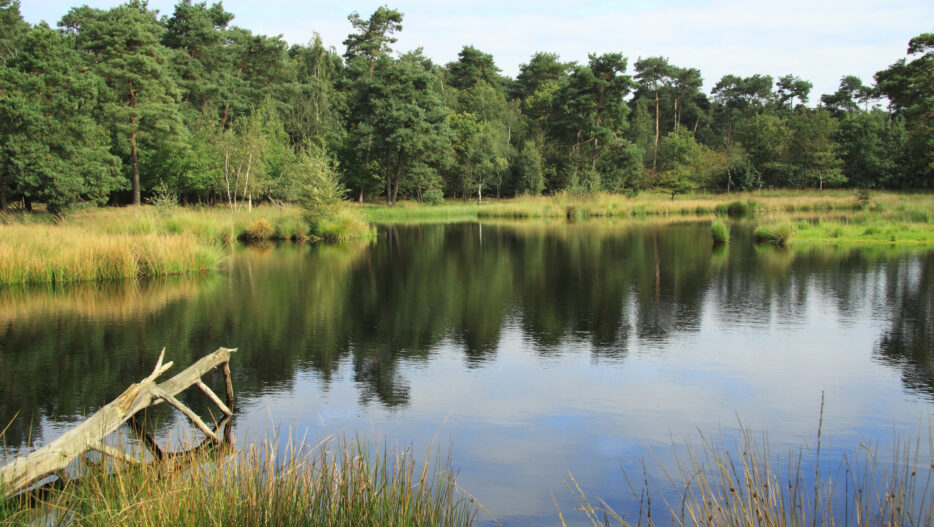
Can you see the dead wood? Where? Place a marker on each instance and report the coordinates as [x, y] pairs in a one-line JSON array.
[[60, 453]]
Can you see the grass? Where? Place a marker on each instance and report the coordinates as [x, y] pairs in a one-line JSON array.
[[120, 243], [345, 224], [53, 254], [566, 205], [412, 212], [777, 234], [720, 232], [337, 482], [741, 484]]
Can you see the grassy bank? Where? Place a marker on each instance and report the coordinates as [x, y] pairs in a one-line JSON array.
[[654, 204], [724, 481], [412, 212], [119, 243], [338, 482], [904, 223]]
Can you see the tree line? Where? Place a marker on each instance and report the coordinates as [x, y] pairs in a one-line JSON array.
[[123, 105]]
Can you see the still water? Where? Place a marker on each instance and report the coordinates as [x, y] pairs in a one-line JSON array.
[[529, 350]]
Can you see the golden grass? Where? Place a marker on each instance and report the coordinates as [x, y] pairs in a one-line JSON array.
[[119, 243], [338, 482], [63, 253]]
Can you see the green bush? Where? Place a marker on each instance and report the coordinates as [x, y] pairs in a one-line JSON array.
[[433, 196]]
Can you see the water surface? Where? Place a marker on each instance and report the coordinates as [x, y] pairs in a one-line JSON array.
[[530, 349]]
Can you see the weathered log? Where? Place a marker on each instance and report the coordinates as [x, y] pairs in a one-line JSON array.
[[59, 454]]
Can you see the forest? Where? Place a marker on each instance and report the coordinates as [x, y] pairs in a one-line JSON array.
[[127, 105]]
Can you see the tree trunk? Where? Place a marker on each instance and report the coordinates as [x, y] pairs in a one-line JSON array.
[[133, 155], [135, 162], [395, 189], [3, 204], [657, 130]]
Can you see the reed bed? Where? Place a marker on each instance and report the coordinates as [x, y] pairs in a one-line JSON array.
[[120, 243], [716, 484], [603, 204], [720, 232], [410, 212], [338, 483], [53, 254]]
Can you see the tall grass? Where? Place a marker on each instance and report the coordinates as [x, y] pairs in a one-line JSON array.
[[52, 254], [339, 482], [715, 484], [405, 212], [119, 243], [778, 234], [720, 232]]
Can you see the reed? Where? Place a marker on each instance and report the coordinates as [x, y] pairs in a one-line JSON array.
[[721, 483], [777, 234], [53, 254], [720, 232], [337, 482], [407, 212]]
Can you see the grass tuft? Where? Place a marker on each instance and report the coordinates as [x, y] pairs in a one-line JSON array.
[[720, 232], [777, 234]]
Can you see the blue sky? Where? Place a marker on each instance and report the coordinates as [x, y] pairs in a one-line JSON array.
[[818, 40]]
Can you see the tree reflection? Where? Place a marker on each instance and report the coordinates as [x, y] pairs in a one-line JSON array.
[[379, 307]]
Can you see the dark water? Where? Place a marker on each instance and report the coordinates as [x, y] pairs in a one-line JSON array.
[[532, 350]]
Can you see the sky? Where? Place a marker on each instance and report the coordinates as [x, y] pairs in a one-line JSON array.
[[817, 40]]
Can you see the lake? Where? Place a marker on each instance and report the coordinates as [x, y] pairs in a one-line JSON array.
[[527, 350]]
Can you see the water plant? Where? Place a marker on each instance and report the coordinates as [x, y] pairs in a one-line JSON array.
[[720, 232], [727, 482], [778, 234]]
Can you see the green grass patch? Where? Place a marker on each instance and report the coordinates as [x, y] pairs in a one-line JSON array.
[[720, 232], [410, 212], [777, 234]]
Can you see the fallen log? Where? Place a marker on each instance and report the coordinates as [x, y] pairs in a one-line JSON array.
[[60, 453]]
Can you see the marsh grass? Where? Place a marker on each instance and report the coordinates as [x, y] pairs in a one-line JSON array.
[[337, 482], [410, 212], [721, 483], [120, 243], [53, 254], [343, 225], [777, 234], [720, 232]]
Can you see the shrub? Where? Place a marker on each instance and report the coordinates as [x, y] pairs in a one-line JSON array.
[[433, 196], [259, 230]]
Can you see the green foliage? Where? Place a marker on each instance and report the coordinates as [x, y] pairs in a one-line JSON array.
[[778, 234], [211, 112], [720, 232], [54, 150], [321, 191], [433, 196]]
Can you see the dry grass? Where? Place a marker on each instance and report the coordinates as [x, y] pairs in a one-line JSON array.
[[64, 253], [716, 484], [337, 482]]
